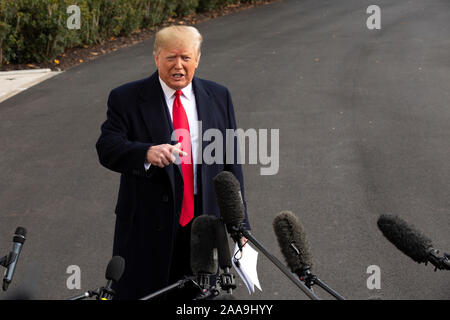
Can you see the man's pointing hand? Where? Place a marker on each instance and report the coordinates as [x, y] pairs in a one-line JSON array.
[[164, 154]]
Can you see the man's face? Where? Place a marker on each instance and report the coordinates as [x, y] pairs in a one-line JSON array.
[[176, 65]]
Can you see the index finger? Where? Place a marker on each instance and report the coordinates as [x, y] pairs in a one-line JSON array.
[[176, 149]]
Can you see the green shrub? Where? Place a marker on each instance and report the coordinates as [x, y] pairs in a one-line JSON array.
[[186, 7], [36, 30], [206, 5]]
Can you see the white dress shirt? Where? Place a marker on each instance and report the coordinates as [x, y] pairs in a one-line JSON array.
[[188, 102]]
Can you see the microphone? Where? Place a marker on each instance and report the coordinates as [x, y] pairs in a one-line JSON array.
[[292, 241], [230, 202], [231, 206], [226, 279], [203, 259], [204, 253], [412, 242], [114, 271], [11, 260], [222, 245], [296, 251]]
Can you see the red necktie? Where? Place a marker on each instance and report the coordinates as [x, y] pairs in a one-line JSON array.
[[180, 121]]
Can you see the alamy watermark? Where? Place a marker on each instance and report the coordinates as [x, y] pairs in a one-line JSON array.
[[231, 147], [374, 20], [374, 280], [74, 280], [74, 21]]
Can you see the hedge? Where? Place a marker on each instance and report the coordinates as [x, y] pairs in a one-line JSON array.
[[34, 31]]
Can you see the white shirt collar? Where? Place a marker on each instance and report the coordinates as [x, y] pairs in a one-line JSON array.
[[169, 92]]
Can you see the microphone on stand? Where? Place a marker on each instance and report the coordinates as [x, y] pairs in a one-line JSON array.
[[295, 248], [231, 204], [229, 200], [204, 260], [114, 271], [412, 242], [226, 279], [10, 261]]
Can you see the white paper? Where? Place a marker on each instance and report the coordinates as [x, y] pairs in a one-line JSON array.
[[245, 266]]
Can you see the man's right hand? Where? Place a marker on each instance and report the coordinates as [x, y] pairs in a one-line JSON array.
[[163, 154]]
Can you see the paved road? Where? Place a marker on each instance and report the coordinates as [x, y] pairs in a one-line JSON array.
[[363, 118]]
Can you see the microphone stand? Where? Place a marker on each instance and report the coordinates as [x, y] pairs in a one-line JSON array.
[[204, 292], [101, 293], [227, 281], [5, 262], [441, 263], [87, 294], [205, 287], [177, 285], [311, 279], [238, 231]]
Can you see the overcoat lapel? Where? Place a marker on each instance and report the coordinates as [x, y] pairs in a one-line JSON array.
[[205, 114], [203, 101]]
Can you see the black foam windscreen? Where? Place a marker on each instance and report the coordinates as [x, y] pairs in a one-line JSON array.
[[292, 241], [223, 248], [115, 268], [20, 235], [203, 245], [229, 198], [405, 237]]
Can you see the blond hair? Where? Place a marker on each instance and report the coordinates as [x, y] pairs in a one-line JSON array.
[[177, 35]]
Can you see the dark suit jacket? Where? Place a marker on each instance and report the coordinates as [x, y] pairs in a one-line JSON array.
[[149, 202]]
